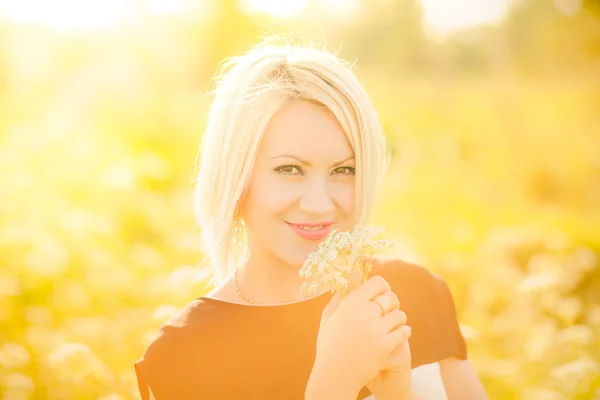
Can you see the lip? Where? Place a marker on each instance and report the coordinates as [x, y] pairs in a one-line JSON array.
[[311, 235]]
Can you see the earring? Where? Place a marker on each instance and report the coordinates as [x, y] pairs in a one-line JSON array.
[[237, 229]]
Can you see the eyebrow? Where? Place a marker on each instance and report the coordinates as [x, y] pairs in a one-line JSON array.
[[308, 163]]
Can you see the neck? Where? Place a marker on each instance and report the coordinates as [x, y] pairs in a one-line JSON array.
[[269, 280]]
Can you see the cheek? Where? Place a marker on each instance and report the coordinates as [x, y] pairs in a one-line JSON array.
[[267, 197], [344, 197]]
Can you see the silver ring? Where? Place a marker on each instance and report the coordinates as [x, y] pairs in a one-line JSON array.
[[384, 308]]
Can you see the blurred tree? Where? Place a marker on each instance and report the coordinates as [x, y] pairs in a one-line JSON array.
[[554, 37], [4, 32], [98, 133], [388, 35], [229, 33]]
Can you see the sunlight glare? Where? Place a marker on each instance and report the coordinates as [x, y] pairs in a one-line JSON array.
[[568, 7], [165, 6], [276, 8], [64, 14], [446, 16], [341, 8]]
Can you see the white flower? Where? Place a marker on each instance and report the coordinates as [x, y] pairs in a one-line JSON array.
[[340, 254]]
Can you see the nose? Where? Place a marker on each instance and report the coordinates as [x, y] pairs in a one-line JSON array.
[[316, 198]]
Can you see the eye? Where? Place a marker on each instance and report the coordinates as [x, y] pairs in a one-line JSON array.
[[289, 170], [344, 171]]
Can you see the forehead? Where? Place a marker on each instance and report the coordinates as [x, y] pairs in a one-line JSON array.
[[303, 128]]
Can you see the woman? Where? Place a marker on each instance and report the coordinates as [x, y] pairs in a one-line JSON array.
[[292, 150]]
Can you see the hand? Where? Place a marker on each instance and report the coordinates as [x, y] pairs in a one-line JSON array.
[[356, 336], [394, 381]]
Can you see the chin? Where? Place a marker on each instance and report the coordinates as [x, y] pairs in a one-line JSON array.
[[295, 257], [296, 261]]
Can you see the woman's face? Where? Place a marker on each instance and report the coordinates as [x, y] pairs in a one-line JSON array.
[[302, 184]]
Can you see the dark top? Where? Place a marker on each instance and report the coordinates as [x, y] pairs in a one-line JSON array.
[[214, 349]]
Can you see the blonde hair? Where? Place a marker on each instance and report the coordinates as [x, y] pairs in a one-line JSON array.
[[250, 89]]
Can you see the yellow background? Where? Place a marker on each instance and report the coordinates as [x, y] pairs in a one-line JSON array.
[[494, 184]]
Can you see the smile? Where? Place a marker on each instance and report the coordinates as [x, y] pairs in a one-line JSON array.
[[311, 231]]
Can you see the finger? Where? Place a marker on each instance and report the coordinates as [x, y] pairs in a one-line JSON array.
[[407, 331], [331, 306], [393, 320], [386, 302], [398, 336], [400, 359], [395, 300], [369, 290]]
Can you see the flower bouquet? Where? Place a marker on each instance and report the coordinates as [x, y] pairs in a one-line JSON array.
[[340, 255]]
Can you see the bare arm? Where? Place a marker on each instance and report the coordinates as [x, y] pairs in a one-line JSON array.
[[461, 380]]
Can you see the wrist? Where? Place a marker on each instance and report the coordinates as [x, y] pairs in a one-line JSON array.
[[326, 384], [396, 385]]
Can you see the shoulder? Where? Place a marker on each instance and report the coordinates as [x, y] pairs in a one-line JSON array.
[[187, 323], [416, 286], [403, 275], [429, 306], [168, 354]]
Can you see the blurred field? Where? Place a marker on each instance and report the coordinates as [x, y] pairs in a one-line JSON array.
[[495, 183]]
